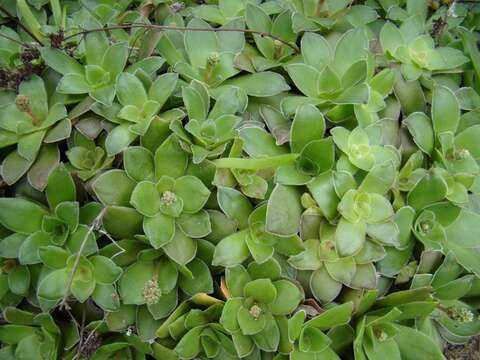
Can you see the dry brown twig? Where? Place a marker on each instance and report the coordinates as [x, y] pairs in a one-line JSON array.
[[93, 226], [178, 28], [17, 21]]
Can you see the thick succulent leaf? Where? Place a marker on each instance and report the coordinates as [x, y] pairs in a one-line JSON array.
[[316, 50], [193, 193], [235, 205], [52, 286], [445, 110], [430, 189], [349, 237], [313, 340], [250, 325], [145, 198], [342, 270], [261, 84], [130, 90], [269, 338], [47, 160], [14, 167], [134, 280], [138, 163], [261, 290], [323, 287], [118, 139], [282, 220], [60, 187], [181, 248], [114, 187], [307, 125], [200, 283], [232, 250], [21, 215], [413, 343], [122, 222], [288, 298], [170, 159], [235, 279]]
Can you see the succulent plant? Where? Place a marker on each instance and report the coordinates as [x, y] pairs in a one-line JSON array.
[[455, 318], [258, 300], [34, 125], [208, 131], [198, 332], [258, 180], [86, 159], [269, 53], [11, 50], [29, 334], [98, 77], [308, 337], [39, 253], [170, 202], [137, 108], [333, 75], [416, 51], [310, 16], [208, 59], [220, 13]]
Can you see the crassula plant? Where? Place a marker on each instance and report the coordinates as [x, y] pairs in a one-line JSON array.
[[258, 301], [34, 123], [239, 179]]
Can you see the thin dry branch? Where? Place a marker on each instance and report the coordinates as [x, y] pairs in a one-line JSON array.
[[94, 225], [15, 41], [178, 28], [80, 341], [17, 21]]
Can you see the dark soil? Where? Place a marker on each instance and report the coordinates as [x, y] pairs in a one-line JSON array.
[[468, 351]]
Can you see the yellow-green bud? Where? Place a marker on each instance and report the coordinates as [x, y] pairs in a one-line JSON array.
[[425, 226], [381, 335], [213, 59], [168, 198], [255, 311]]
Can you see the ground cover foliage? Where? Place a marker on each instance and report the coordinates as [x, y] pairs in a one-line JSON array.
[[287, 179]]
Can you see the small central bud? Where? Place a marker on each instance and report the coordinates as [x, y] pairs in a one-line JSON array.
[[213, 59], [381, 335], [255, 311], [425, 226], [359, 151], [151, 292], [89, 160], [168, 198]]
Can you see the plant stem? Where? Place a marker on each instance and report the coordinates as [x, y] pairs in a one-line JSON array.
[[178, 28], [95, 223], [17, 21], [14, 40]]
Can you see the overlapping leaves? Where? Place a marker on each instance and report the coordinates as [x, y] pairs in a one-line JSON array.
[[252, 179]]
